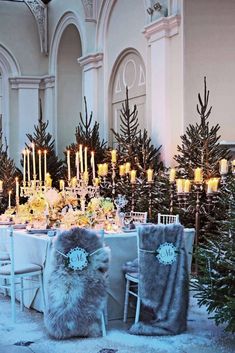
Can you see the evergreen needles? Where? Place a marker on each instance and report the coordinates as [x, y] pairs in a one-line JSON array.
[[200, 144], [8, 173], [215, 283], [43, 140]]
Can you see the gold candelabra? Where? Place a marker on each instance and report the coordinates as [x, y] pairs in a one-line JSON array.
[[80, 188]]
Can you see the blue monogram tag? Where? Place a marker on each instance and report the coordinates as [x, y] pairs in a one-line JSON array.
[[166, 253], [77, 259]]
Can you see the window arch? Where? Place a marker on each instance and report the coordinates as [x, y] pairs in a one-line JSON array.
[[1, 101], [129, 72], [8, 68]]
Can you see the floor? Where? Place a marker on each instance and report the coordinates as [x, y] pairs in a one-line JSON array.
[[29, 336]]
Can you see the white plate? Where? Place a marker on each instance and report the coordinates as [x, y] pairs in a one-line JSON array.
[[6, 223], [19, 226], [37, 231], [126, 230]]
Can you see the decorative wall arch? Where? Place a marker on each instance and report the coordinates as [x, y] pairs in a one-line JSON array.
[[9, 67], [8, 63], [103, 21], [67, 19], [128, 70]]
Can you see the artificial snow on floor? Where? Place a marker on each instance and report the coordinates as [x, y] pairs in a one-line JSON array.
[[28, 335]]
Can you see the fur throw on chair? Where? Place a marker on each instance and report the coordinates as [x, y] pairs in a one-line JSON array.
[[162, 287], [76, 298]]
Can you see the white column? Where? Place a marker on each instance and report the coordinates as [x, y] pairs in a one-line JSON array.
[[28, 109], [48, 84], [159, 34], [91, 64]]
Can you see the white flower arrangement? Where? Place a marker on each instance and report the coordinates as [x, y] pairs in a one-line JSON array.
[[53, 197]]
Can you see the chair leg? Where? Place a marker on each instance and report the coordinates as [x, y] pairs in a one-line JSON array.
[[106, 312], [4, 289], [42, 291], [126, 300], [21, 294], [103, 325], [137, 310], [13, 306]]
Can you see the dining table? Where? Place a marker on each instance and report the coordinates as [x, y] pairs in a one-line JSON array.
[[37, 248]]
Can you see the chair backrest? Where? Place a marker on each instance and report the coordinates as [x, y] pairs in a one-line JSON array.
[[138, 217], [7, 247], [4, 246], [87, 262], [163, 276], [167, 218]]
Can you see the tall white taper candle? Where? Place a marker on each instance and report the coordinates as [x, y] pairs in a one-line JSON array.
[[34, 163]]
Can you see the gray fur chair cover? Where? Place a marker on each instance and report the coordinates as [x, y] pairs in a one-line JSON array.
[[76, 299], [163, 288]]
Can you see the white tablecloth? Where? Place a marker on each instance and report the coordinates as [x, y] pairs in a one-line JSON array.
[[38, 248]]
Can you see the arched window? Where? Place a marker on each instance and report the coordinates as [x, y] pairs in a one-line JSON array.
[[129, 72], [8, 68], [69, 86], [1, 104]]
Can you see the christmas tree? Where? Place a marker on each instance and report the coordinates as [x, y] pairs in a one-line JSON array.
[[135, 147], [200, 149], [216, 257], [200, 144], [43, 141], [87, 134], [8, 173]]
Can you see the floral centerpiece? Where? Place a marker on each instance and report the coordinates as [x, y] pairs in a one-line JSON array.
[[99, 210], [101, 206], [74, 218]]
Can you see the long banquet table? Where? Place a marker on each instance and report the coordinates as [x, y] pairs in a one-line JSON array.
[[38, 249]]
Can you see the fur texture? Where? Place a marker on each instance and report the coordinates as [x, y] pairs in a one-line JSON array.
[[76, 299], [163, 288]]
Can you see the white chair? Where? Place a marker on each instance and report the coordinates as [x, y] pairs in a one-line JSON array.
[[137, 217], [92, 276], [167, 218], [4, 254], [12, 276], [104, 316], [133, 279]]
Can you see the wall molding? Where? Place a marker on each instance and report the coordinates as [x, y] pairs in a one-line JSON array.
[[32, 82], [47, 82], [165, 27], [25, 82], [91, 61], [39, 11], [67, 19]]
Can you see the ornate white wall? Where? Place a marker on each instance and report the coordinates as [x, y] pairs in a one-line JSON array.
[[176, 51], [209, 50]]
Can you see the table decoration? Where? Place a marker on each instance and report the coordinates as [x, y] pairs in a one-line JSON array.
[[38, 231], [72, 217], [120, 202]]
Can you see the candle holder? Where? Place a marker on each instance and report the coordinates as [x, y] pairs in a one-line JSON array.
[[172, 192], [150, 202], [81, 189], [17, 203], [120, 202], [212, 198], [105, 183], [113, 165], [182, 198], [31, 187], [133, 185], [223, 179]]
